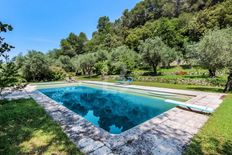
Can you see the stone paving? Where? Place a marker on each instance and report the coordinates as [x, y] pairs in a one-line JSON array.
[[166, 134], [14, 95]]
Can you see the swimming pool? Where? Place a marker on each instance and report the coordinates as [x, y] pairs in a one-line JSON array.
[[112, 110]]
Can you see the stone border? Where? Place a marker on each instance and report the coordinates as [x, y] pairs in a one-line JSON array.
[[167, 133]]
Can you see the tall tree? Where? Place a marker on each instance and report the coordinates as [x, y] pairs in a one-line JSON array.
[[213, 50], [8, 75], [8, 69], [73, 45], [103, 24]]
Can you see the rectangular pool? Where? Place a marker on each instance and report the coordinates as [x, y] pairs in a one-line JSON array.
[[112, 110]]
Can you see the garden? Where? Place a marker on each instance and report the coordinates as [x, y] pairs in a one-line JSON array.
[[188, 47]]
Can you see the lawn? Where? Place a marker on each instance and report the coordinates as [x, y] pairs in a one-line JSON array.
[[178, 86], [163, 85], [216, 135], [25, 128]]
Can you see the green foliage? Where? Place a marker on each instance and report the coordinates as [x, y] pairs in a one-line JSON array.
[[219, 16], [8, 75], [154, 9], [102, 55], [214, 49], [154, 51], [57, 73], [36, 67], [65, 63], [8, 70], [4, 47], [170, 32], [73, 45], [103, 24], [86, 63], [54, 54], [102, 67], [123, 60]]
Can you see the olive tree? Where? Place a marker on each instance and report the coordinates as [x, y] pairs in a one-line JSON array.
[[154, 51], [65, 63], [102, 62], [212, 50], [228, 58], [123, 60], [86, 62], [36, 67]]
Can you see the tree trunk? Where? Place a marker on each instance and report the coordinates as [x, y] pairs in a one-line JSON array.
[[177, 10], [1, 96], [212, 72], [228, 86], [154, 69]]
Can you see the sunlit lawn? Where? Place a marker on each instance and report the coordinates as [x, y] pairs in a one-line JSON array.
[[216, 136], [25, 128]]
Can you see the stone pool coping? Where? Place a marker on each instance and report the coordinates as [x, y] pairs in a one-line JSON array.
[[167, 133]]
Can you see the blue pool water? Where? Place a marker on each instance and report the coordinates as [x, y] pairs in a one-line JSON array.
[[114, 111]]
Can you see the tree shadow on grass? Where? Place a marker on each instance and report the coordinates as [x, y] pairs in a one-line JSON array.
[[208, 89], [227, 148], [202, 146], [25, 128]]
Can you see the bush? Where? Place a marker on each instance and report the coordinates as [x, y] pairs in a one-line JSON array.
[[57, 73]]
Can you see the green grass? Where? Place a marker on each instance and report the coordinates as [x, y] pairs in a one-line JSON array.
[[164, 85], [25, 128], [178, 86], [216, 136]]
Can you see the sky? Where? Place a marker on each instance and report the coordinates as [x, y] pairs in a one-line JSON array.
[[41, 24]]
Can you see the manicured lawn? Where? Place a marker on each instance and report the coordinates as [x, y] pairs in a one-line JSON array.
[[164, 85], [178, 86], [25, 128], [216, 136]]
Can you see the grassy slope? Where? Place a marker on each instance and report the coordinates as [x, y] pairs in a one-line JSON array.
[[216, 136], [164, 85], [25, 128]]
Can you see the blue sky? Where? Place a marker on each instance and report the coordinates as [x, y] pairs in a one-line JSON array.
[[41, 24]]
